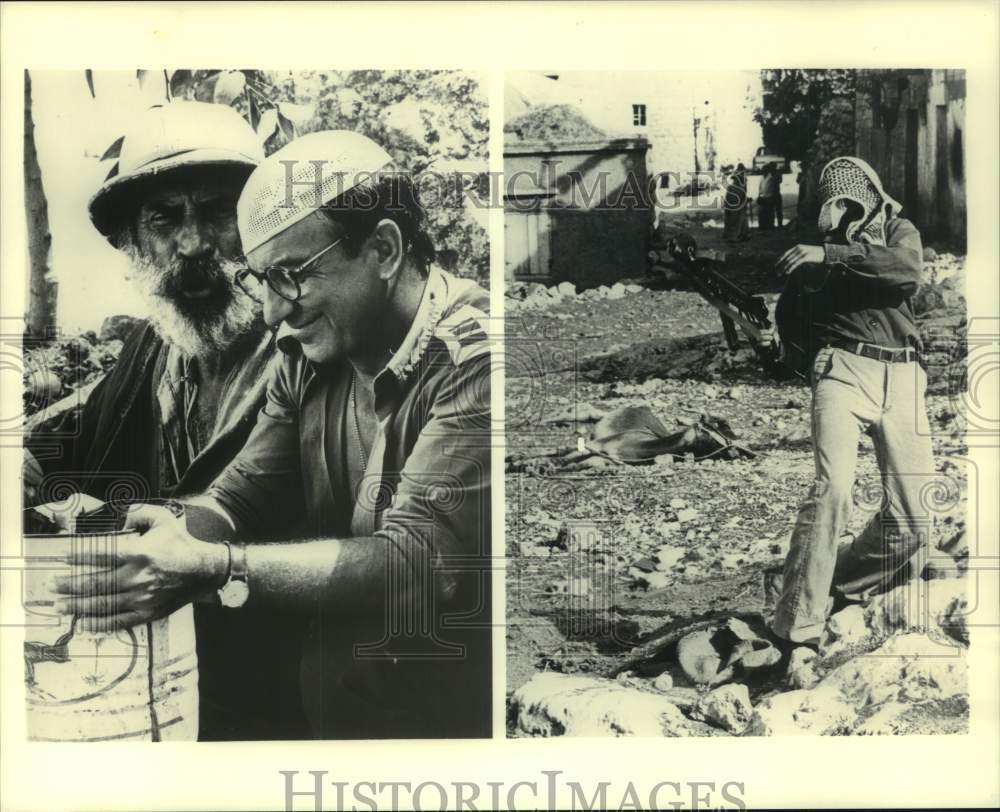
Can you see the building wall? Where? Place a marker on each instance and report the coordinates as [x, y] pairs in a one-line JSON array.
[[576, 212], [918, 149], [672, 99]]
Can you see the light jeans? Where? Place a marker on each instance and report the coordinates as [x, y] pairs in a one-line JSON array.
[[852, 394]]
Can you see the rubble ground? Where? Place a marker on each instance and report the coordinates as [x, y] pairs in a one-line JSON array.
[[602, 562]]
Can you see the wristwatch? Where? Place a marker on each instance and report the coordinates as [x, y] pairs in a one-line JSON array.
[[234, 593]]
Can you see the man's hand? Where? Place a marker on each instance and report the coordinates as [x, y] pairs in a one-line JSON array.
[[799, 255], [144, 577]]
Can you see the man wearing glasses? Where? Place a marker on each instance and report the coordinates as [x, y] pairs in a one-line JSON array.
[[370, 459]]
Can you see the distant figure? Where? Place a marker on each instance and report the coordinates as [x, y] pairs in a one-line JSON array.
[[765, 198], [735, 205], [776, 174]]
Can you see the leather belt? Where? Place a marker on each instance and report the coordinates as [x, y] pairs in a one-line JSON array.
[[901, 356]]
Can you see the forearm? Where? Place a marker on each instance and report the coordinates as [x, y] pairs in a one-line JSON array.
[[346, 576], [898, 265]]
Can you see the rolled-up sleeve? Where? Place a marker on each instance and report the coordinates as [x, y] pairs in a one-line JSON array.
[[261, 489], [440, 515], [894, 266]]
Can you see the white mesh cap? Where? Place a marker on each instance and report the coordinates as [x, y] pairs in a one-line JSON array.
[[300, 178]]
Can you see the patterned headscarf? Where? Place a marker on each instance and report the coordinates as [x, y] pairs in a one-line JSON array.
[[852, 179]]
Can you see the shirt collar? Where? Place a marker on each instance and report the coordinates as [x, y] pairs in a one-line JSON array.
[[428, 315]]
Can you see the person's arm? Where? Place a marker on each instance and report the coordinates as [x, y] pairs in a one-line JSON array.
[[261, 490], [894, 266], [441, 509]]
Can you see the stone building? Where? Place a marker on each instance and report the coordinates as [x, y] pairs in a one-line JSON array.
[[909, 126]]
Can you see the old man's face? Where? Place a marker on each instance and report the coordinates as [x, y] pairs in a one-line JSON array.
[[185, 251]]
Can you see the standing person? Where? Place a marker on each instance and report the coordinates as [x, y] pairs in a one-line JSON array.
[[765, 199], [853, 294], [776, 196], [372, 454], [736, 203], [184, 394]]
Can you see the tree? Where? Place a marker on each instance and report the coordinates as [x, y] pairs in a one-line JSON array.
[[794, 101], [428, 121], [42, 289]]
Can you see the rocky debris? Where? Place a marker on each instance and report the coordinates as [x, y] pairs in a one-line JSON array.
[[663, 683], [649, 580], [868, 694], [551, 123], [534, 295], [668, 556], [716, 654], [117, 327], [729, 707], [576, 587], [937, 607], [801, 673], [553, 704], [843, 629]]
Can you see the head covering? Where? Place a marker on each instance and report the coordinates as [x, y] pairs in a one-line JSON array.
[[300, 178], [848, 178], [175, 136]]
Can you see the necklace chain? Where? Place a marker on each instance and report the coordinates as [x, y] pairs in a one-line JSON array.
[[357, 425]]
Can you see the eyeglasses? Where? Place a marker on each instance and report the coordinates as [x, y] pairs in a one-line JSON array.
[[283, 281]]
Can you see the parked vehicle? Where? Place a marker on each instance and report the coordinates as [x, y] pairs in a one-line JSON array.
[[764, 156]]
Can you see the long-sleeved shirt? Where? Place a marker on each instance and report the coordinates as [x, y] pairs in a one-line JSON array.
[[425, 490], [861, 292]]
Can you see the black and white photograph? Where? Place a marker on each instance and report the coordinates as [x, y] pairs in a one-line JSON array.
[[499, 406], [736, 465], [257, 404]]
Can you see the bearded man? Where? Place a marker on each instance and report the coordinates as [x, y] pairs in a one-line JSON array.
[[184, 394], [848, 304]]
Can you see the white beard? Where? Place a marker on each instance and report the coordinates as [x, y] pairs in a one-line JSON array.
[[195, 335]]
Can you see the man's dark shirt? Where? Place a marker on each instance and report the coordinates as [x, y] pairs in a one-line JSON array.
[[426, 493], [860, 294]]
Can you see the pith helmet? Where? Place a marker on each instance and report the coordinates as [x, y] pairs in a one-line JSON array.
[[178, 135], [301, 177]]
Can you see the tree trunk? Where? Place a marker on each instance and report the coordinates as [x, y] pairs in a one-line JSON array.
[[42, 289]]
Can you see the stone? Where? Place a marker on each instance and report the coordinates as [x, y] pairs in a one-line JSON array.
[[801, 673], [668, 556], [729, 707], [677, 504], [687, 515], [909, 670], [664, 682], [735, 393], [578, 537], [938, 606], [930, 254], [566, 289], [117, 327], [645, 565], [710, 392], [843, 629], [553, 704], [650, 580]]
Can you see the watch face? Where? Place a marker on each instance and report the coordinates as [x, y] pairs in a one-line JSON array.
[[234, 594]]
